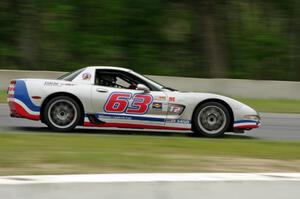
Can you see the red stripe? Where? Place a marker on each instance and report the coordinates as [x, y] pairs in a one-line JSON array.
[[12, 106], [21, 112], [36, 97], [135, 126], [10, 95], [247, 126]]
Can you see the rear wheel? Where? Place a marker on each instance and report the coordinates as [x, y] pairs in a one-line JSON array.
[[211, 119], [62, 113]]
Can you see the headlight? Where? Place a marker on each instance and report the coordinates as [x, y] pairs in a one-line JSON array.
[[252, 117]]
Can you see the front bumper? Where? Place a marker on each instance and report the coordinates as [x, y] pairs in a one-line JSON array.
[[246, 124], [247, 119]]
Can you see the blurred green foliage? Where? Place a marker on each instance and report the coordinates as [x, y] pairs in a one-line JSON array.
[[218, 38]]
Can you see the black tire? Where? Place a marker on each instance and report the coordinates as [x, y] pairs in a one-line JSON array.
[[62, 113], [211, 119]]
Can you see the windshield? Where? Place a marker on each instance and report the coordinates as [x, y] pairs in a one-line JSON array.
[[156, 84], [71, 75]]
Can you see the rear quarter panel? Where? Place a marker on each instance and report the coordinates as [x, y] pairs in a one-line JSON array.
[[45, 88]]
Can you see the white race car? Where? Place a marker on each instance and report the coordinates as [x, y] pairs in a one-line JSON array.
[[103, 96]]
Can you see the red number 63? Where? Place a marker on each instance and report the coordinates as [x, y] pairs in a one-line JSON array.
[[119, 103]]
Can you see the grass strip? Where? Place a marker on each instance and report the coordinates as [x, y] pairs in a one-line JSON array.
[[53, 153], [273, 105], [3, 96]]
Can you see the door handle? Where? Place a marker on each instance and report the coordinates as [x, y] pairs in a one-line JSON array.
[[101, 90]]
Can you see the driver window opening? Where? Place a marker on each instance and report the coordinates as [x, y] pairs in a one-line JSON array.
[[114, 80]]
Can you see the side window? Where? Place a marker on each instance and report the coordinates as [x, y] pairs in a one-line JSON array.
[[71, 76], [119, 79], [137, 81], [122, 82], [104, 79], [113, 79]]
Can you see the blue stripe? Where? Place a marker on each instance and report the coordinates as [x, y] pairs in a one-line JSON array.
[[130, 117], [21, 94]]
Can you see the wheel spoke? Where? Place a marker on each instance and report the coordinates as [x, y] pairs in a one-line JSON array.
[[212, 119], [62, 113]]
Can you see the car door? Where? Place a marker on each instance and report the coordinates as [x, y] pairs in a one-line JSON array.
[[129, 108]]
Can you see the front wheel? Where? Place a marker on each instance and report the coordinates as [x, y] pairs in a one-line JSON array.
[[211, 119], [62, 113]]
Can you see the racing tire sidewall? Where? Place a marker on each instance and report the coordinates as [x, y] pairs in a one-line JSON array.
[[196, 126], [75, 121]]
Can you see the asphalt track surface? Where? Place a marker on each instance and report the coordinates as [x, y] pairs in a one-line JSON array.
[[275, 126]]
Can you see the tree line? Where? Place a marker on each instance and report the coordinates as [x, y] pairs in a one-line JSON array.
[[196, 38]]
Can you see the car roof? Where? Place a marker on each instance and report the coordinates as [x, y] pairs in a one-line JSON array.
[[109, 68]]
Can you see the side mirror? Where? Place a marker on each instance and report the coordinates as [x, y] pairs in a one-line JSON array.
[[142, 87]]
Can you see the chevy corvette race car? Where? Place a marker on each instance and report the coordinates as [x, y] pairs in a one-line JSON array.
[[103, 96]]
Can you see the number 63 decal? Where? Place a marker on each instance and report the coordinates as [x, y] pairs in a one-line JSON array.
[[119, 103]]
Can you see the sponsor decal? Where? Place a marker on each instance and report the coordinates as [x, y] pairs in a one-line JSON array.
[[157, 106], [116, 117], [68, 84], [58, 84], [171, 99], [123, 102], [52, 83], [160, 98], [130, 117], [176, 108], [86, 76], [181, 121]]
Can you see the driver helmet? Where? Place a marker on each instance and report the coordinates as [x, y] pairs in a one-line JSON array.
[[108, 80]]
